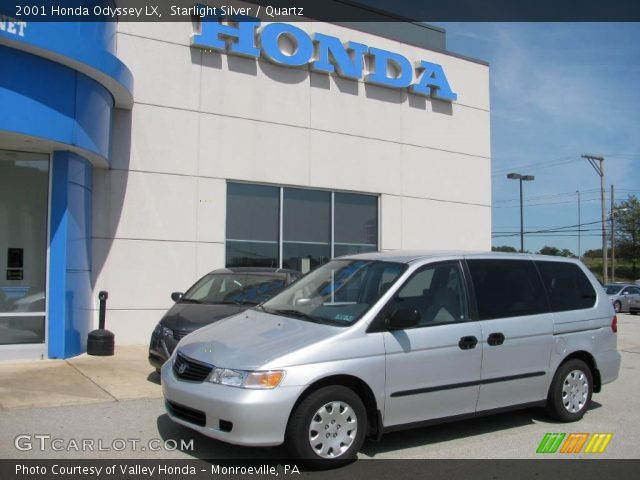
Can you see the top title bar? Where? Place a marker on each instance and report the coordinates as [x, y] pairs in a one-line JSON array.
[[322, 10]]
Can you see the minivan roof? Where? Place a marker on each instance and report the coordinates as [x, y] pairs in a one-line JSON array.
[[408, 256]]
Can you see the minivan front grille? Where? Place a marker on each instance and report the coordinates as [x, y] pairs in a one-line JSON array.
[[187, 414], [191, 370]]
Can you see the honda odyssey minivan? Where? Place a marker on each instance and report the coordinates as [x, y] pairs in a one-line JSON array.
[[376, 342]]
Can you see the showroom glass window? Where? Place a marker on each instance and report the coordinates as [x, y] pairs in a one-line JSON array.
[[253, 213], [297, 228], [306, 233], [356, 223], [24, 192]]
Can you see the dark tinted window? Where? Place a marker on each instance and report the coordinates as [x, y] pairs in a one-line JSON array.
[[437, 293], [567, 285], [306, 224], [507, 288], [356, 223], [315, 226], [253, 213]]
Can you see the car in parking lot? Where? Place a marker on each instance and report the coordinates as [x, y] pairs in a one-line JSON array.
[[621, 295], [217, 295], [377, 342]]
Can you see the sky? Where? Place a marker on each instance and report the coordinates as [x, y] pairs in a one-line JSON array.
[[558, 90]]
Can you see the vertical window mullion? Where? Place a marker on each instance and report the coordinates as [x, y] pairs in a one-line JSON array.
[[333, 223], [281, 229]]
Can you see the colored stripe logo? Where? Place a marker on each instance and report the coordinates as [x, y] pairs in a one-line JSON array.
[[574, 443]]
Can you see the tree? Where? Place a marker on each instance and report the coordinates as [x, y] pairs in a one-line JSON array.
[[504, 248], [627, 216], [547, 250], [595, 253]]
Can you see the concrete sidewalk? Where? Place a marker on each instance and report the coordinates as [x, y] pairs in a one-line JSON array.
[[80, 380]]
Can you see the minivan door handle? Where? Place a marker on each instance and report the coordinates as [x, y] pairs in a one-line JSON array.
[[495, 339], [467, 343]]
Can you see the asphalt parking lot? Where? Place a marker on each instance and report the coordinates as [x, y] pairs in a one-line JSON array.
[[141, 427]]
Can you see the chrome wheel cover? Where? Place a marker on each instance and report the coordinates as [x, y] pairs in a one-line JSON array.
[[333, 429], [575, 391]]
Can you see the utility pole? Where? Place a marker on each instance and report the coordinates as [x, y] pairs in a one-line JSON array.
[[597, 162], [613, 237], [579, 227]]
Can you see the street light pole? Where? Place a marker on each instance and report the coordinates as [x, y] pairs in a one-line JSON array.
[[521, 178]]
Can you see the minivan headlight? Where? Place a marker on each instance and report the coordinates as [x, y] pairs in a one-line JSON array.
[[246, 379], [163, 331]]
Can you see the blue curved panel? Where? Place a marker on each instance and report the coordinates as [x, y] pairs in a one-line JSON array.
[[85, 46], [48, 100], [70, 317]]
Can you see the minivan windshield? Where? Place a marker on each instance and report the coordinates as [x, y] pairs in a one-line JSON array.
[[234, 288], [337, 293]]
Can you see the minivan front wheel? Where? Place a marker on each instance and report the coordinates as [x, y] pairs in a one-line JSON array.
[[570, 391], [329, 424]]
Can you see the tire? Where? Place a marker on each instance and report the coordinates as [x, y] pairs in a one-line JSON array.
[[341, 421], [570, 391], [617, 306]]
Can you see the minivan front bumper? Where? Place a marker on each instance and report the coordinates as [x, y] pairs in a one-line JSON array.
[[230, 414]]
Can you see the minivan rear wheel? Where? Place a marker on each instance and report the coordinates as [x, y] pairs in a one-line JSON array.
[[570, 391], [329, 424]]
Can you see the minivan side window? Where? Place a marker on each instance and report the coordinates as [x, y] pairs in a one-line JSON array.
[[567, 286], [437, 293], [507, 288]]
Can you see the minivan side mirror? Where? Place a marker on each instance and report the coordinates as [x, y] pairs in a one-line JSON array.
[[403, 318], [176, 296]]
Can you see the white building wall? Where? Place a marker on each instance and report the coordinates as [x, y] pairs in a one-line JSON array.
[[202, 118]]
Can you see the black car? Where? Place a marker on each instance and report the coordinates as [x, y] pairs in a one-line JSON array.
[[219, 294]]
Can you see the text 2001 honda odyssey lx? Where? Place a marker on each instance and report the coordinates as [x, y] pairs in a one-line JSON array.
[[377, 342]]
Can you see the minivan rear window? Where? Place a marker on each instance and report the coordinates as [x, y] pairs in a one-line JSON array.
[[567, 286], [507, 288]]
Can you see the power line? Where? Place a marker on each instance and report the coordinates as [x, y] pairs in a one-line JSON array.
[[547, 203], [536, 165], [548, 196]]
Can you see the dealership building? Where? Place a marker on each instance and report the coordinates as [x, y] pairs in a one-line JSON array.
[[136, 157]]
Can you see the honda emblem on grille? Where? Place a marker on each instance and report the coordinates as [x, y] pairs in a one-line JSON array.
[[182, 368]]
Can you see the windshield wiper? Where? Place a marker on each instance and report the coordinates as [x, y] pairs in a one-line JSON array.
[[295, 313], [231, 302], [188, 300]]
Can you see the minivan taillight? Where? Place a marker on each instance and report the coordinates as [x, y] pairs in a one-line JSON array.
[[614, 324]]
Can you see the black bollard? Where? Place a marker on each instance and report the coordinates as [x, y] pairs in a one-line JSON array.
[[101, 342]]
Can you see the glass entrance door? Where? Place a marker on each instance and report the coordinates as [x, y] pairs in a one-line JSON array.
[[24, 185]]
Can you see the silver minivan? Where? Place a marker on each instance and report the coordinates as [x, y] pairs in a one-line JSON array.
[[376, 342]]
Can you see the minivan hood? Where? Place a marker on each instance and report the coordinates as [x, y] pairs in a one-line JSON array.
[[191, 316], [251, 339]]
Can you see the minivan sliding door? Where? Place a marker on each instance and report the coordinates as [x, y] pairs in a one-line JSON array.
[[432, 370], [517, 332]]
